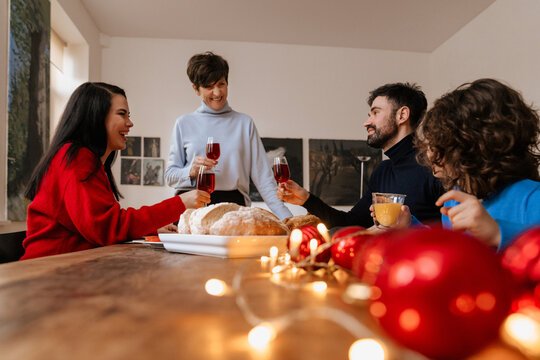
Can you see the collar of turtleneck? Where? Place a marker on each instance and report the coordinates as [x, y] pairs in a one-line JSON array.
[[401, 149], [205, 109]]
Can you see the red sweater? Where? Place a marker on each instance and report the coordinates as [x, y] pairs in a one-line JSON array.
[[69, 214]]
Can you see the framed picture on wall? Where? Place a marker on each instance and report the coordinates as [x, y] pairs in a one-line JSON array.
[[339, 169], [292, 149], [152, 147], [133, 146], [130, 171], [153, 172]]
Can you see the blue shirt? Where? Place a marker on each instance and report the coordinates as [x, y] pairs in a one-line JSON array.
[[242, 154], [516, 208]]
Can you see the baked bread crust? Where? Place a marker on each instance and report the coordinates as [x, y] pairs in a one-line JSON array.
[[183, 223], [201, 219], [248, 221], [230, 219], [301, 220]]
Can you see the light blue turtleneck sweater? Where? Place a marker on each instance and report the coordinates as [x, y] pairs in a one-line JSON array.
[[242, 154]]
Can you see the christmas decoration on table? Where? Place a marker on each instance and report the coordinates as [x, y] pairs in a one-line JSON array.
[[300, 248], [443, 293], [345, 244], [522, 328]]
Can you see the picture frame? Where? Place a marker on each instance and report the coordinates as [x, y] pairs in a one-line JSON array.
[[292, 148], [339, 170], [153, 172], [152, 147], [130, 171], [133, 146]]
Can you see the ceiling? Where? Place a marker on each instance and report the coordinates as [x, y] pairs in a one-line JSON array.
[[407, 25]]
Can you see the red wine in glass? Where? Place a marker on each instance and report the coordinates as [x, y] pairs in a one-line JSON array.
[[281, 169], [212, 149], [206, 180]]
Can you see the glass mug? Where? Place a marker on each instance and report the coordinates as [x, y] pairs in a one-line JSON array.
[[387, 208]]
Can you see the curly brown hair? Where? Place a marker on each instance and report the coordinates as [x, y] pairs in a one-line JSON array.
[[484, 137]]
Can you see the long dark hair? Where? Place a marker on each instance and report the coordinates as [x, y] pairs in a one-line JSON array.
[[484, 135], [83, 125]]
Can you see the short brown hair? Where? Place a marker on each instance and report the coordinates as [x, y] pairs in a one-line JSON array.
[[484, 136], [206, 68], [403, 94]]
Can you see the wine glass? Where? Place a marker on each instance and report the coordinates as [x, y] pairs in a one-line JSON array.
[[206, 179], [281, 170], [212, 149]]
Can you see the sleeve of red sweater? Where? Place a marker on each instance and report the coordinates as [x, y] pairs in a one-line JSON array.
[[97, 215]]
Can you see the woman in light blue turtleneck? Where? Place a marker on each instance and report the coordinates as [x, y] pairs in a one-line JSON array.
[[242, 153]]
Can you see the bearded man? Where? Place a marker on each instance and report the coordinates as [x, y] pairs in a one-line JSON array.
[[395, 111]]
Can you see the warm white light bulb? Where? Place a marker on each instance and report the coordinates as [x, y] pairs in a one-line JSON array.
[[215, 287], [319, 287], [313, 244], [358, 291], [367, 349], [524, 332], [261, 335], [273, 252], [321, 228]]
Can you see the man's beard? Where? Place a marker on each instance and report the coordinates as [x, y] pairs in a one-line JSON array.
[[382, 135]]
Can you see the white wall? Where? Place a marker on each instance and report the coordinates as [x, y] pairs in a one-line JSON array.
[[290, 91], [503, 42], [88, 30]]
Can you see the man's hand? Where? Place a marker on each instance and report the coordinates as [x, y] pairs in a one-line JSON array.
[[292, 193]]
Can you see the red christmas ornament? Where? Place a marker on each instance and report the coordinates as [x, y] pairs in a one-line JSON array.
[[442, 293], [308, 232], [522, 258], [369, 256], [347, 241]]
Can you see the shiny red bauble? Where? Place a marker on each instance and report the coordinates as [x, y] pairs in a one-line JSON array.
[[369, 256], [522, 258], [346, 242], [442, 293], [308, 232]]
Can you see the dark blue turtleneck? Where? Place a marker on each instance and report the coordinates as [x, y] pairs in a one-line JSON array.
[[400, 174]]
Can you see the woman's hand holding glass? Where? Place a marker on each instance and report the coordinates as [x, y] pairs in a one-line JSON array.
[[199, 161], [195, 199]]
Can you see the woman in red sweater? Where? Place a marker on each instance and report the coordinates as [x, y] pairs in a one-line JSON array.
[[74, 196]]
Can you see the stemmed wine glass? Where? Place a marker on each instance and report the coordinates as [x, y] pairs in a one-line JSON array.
[[281, 170], [206, 179], [212, 149]]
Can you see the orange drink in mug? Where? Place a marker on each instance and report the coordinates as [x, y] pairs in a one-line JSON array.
[[387, 208]]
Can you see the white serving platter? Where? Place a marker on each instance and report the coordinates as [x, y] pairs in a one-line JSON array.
[[223, 246]]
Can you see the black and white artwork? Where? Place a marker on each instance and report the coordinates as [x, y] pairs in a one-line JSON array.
[[340, 169], [152, 147], [130, 171], [292, 149], [133, 146], [153, 172]]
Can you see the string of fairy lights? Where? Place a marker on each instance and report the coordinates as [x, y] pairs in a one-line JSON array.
[[519, 330]]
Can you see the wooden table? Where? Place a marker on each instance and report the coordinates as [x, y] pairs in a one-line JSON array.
[[140, 302]]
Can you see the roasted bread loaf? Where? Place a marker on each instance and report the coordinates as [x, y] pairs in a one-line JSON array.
[[299, 221], [183, 223], [201, 219], [230, 219]]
